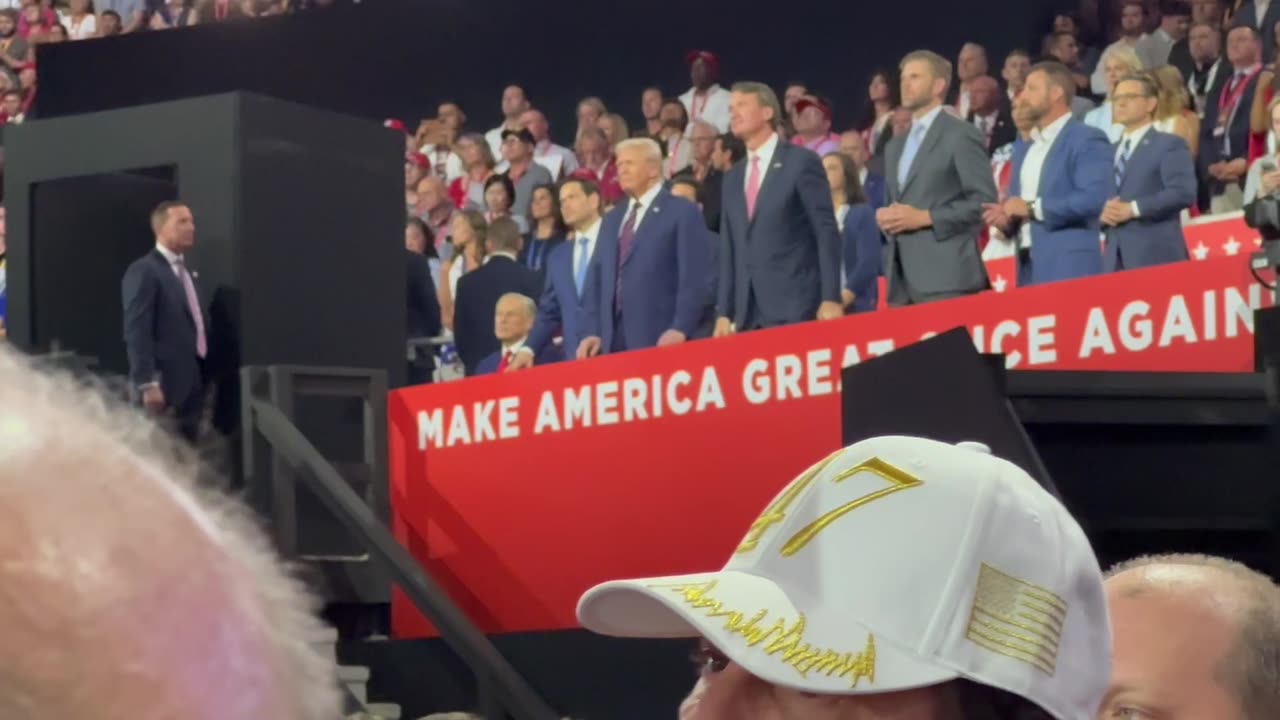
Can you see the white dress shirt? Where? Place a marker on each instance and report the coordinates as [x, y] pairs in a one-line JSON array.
[[174, 259], [765, 153], [1134, 138], [645, 201], [1032, 167], [713, 107], [579, 254], [452, 163], [557, 159], [963, 101], [497, 253], [1260, 12]]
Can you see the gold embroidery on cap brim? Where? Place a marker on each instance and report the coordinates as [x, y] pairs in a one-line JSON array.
[[1017, 619], [779, 639]]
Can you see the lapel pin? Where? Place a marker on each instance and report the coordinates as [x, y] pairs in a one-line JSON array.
[[195, 276], [777, 165]]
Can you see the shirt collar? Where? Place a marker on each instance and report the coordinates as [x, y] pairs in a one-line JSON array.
[[1051, 132], [590, 233], [514, 347], [926, 121], [765, 151], [499, 253], [168, 254], [1135, 136], [646, 200]]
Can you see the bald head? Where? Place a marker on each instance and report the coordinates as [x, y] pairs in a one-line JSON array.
[[431, 193], [984, 95], [1197, 636], [124, 592]]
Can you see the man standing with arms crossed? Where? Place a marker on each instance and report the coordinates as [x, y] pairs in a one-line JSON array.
[[938, 177], [779, 247]]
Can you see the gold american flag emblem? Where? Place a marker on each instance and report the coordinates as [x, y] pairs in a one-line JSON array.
[[1017, 619]]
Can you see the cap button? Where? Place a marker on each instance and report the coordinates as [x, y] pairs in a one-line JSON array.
[[974, 446]]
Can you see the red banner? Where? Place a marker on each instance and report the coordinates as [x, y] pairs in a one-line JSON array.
[[519, 491]]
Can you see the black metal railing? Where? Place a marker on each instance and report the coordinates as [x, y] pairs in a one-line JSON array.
[[502, 692]]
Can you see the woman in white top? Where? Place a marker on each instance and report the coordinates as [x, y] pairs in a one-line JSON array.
[[80, 21], [1264, 174], [1117, 62], [467, 235]]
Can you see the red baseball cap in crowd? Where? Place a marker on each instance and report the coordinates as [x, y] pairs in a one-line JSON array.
[[394, 124], [809, 101]]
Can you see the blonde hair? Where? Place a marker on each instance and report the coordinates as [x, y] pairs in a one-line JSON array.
[[1124, 55], [649, 147], [1172, 92]]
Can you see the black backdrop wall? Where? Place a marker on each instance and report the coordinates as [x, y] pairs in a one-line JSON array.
[[399, 58]]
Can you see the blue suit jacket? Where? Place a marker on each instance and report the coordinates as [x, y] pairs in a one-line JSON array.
[[560, 306], [1161, 178], [1075, 183], [488, 365], [664, 277], [788, 253], [861, 248], [159, 330], [874, 189]]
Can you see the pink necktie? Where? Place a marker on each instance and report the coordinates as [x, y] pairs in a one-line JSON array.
[[193, 304], [753, 185]]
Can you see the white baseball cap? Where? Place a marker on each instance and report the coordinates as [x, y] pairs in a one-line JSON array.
[[892, 564]]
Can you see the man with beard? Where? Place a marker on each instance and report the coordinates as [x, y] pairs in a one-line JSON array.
[[1060, 183]]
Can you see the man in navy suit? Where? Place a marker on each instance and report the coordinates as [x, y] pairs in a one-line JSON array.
[[1224, 131], [1155, 180], [512, 319], [687, 187], [1059, 184], [648, 278], [480, 289], [779, 247], [566, 266], [164, 323]]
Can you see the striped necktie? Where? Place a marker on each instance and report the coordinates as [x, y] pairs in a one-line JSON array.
[[1122, 161]]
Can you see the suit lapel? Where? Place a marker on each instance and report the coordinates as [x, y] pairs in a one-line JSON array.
[[776, 167], [1137, 156], [651, 216], [607, 248], [930, 139], [893, 153], [177, 292]]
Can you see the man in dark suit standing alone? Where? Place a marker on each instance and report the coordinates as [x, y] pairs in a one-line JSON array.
[[164, 323], [938, 176], [480, 289], [647, 284], [779, 247]]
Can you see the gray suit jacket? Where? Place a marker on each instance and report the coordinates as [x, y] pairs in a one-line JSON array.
[[951, 178]]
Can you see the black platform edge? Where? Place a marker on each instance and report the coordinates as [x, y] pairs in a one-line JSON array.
[[1212, 399]]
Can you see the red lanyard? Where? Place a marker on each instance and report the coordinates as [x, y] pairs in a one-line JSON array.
[[1227, 102]]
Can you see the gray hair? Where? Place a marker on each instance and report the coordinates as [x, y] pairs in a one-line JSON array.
[[124, 581], [703, 124], [527, 302], [765, 96], [647, 147], [595, 103], [1252, 667]]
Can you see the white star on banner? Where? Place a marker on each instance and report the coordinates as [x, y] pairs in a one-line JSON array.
[[999, 283], [1231, 247], [1200, 251]]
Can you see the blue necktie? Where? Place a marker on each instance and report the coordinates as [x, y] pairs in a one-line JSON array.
[[909, 152], [1122, 160], [580, 273]]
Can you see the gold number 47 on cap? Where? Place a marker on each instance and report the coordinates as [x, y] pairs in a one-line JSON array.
[[776, 513]]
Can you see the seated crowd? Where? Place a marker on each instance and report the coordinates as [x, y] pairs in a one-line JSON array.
[[1084, 162]]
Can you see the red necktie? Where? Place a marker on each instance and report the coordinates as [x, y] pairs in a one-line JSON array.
[[625, 239], [504, 362]]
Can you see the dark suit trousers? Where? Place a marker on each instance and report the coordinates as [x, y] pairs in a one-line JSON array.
[[186, 414]]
